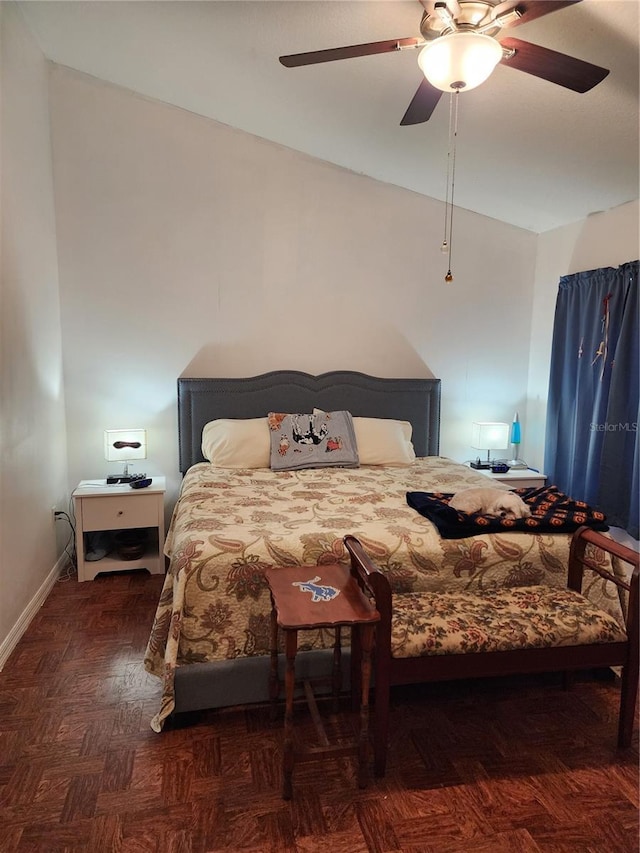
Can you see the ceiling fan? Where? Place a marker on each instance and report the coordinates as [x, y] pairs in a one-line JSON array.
[[460, 49]]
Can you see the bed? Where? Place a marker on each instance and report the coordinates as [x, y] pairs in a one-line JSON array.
[[210, 638]]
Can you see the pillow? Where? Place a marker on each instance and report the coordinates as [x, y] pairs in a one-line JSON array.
[[229, 443], [382, 441], [317, 440]]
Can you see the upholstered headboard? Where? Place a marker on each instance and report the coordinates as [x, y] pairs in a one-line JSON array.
[[203, 400]]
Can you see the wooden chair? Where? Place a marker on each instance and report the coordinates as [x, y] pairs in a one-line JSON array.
[[413, 645]]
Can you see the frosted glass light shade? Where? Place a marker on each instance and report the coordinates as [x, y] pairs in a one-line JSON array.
[[489, 435], [131, 444], [459, 61]]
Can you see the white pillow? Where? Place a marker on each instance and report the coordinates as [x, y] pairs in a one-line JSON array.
[[383, 441], [229, 443]]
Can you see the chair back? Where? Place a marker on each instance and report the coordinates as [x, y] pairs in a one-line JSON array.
[[374, 583]]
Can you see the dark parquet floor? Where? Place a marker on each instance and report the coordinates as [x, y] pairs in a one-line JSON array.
[[501, 766]]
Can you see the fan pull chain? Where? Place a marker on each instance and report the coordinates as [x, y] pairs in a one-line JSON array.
[[453, 135], [445, 244]]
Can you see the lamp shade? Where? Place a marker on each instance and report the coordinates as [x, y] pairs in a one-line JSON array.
[[123, 445], [489, 435], [460, 60]]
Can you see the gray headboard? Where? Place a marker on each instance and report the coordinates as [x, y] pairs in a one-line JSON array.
[[203, 400]]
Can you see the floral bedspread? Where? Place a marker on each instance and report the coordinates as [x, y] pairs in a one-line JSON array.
[[228, 526]]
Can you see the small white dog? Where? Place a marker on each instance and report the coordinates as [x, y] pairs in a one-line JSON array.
[[493, 502]]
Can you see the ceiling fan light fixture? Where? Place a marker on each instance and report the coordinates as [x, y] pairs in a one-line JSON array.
[[459, 61]]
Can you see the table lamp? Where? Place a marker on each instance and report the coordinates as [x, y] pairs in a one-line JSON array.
[[516, 463], [125, 445], [488, 435]]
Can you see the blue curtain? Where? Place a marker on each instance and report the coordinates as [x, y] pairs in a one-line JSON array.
[[591, 447]]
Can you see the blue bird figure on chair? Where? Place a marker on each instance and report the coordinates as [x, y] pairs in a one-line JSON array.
[[318, 591]]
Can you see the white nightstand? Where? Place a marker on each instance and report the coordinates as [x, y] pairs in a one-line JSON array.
[[518, 478], [99, 507]]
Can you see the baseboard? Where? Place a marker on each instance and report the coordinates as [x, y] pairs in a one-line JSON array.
[[13, 637]]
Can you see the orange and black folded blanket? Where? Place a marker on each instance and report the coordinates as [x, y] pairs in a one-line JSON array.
[[551, 512]]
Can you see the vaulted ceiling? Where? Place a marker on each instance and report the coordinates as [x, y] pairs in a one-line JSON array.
[[529, 152]]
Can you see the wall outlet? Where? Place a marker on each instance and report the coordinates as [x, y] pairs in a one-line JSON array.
[[55, 514]]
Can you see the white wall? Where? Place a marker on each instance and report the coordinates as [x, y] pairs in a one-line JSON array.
[[605, 239], [33, 475], [189, 248]]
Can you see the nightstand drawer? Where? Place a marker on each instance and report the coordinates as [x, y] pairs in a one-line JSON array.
[[112, 513]]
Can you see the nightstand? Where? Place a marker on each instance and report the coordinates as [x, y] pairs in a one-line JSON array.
[[106, 508], [519, 478]]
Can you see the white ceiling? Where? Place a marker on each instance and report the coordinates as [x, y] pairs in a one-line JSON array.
[[529, 152]]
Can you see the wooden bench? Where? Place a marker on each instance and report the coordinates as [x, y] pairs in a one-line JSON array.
[[440, 636]]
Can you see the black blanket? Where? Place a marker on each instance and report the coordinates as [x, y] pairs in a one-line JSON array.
[[551, 512]]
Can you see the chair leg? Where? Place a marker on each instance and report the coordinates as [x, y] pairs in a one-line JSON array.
[[356, 670], [336, 672], [291, 647], [628, 695], [366, 633], [381, 720]]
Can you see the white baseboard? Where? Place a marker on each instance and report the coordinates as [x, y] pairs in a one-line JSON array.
[[13, 637]]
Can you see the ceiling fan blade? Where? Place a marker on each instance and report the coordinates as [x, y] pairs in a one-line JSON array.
[[295, 60], [422, 104], [553, 66], [531, 9]]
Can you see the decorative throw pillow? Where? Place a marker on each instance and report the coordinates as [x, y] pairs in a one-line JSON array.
[[229, 443], [317, 440]]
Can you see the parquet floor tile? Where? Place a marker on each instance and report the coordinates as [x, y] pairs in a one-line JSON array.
[[497, 766]]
